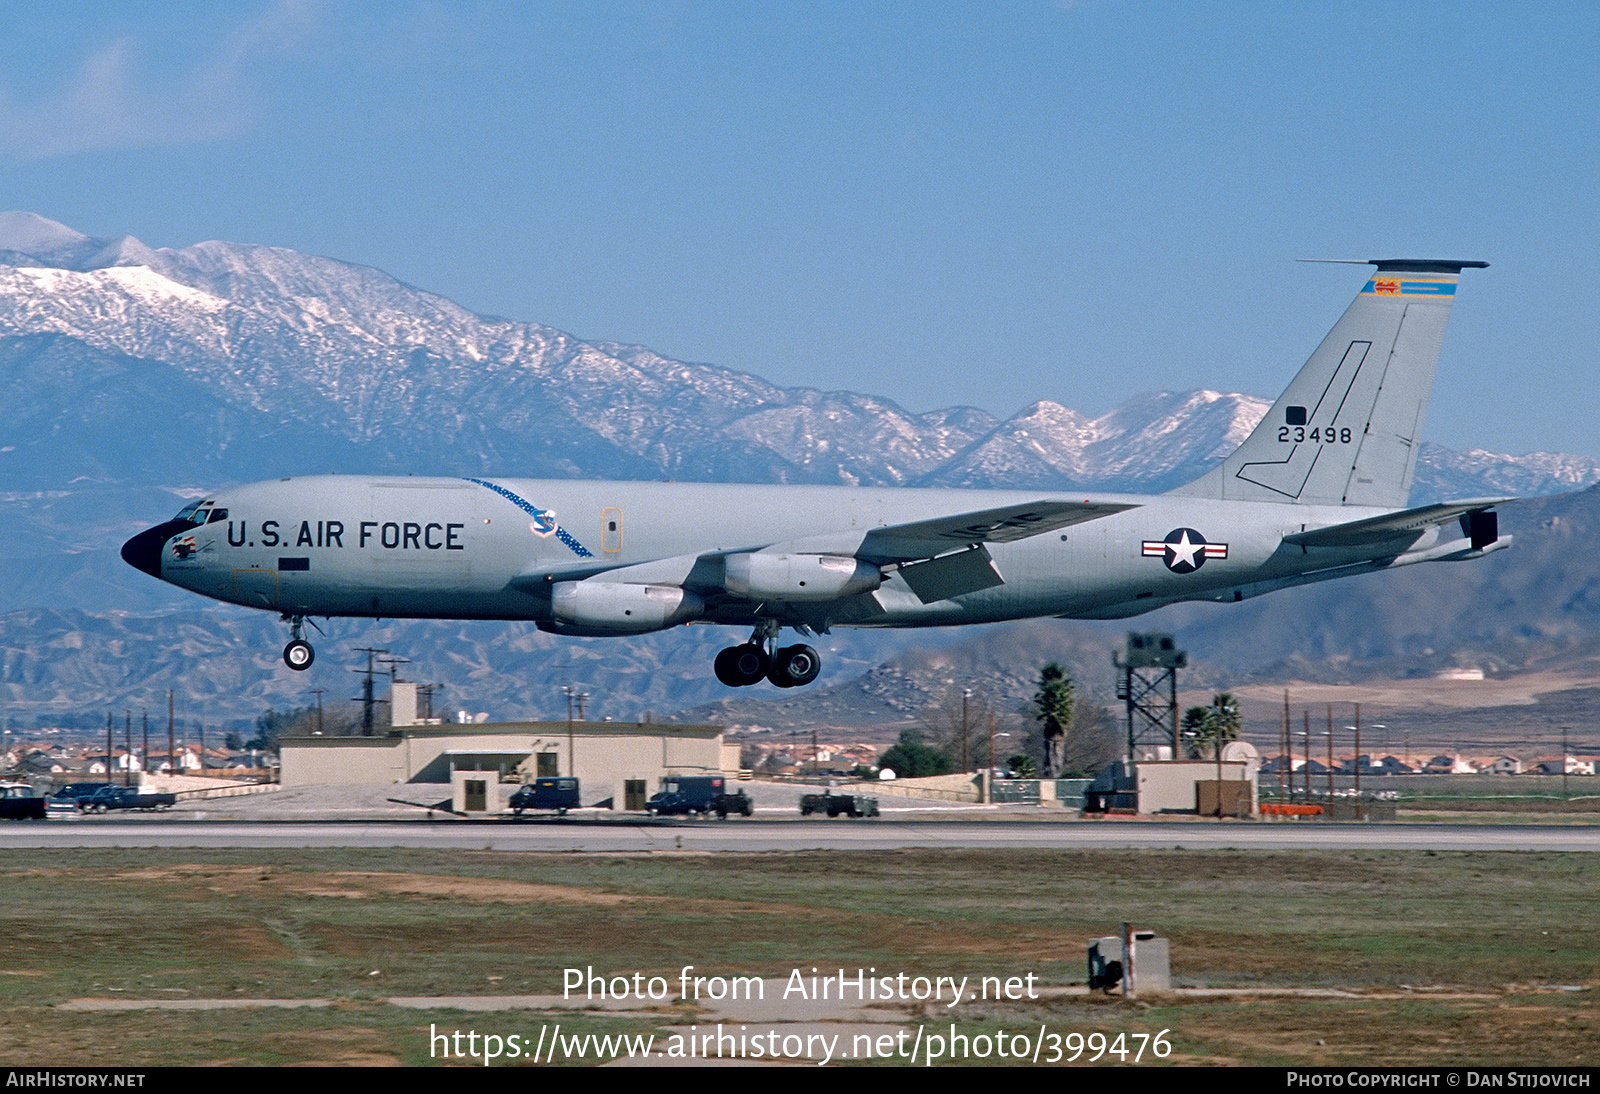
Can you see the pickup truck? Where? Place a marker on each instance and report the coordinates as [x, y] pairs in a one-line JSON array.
[[125, 797]]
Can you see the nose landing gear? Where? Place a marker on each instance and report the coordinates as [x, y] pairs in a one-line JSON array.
[[789, 667], [298, 654]]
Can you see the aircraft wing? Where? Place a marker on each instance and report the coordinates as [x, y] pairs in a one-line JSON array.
[[947, 556], [939, 558], [924, 539], [1358, 533]]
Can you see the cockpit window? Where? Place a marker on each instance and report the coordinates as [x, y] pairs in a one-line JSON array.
[[216, 515], [199, 512]]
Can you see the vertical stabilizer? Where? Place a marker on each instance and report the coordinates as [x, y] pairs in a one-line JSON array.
[[1346, 430]]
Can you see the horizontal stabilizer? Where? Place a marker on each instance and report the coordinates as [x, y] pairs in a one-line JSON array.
[[927, 538], [1390, 525]]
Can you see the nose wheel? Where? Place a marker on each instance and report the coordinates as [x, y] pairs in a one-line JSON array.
[[298, 654], [789, 667]]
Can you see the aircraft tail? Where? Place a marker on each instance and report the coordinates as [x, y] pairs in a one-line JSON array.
[[1346, 430]]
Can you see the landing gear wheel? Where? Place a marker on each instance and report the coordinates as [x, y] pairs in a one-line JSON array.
[[741, 666], [298, 655], [794, 666]]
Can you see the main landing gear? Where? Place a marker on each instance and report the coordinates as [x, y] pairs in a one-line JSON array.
[[298, 654], [757, 660]]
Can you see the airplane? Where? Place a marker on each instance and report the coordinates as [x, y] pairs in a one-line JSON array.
[[1317, 491]]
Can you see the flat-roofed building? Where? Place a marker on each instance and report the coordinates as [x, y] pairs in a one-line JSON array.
[[622, 762]]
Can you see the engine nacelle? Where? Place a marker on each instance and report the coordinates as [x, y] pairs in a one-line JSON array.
[[759, 575], [612, 607]]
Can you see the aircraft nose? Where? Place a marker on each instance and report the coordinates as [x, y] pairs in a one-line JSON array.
[[143, 551]]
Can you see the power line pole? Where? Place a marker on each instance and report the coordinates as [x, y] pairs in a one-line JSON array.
[[367, 699]]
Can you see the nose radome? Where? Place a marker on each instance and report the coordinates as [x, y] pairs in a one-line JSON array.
[[143, 551]]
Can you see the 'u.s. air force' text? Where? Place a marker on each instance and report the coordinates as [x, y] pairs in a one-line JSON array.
[[392, 535]]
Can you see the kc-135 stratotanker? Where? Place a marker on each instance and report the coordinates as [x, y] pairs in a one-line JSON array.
[[1316, 492]]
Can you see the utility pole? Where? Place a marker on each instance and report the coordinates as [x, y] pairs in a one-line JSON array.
[[573, 695], [1358, 761], [367, 699], [425, 693], [1330, 766], [966, 762], [1330, 754], [1216, 747], [1305, 732], [990, 775], [1283, 743]]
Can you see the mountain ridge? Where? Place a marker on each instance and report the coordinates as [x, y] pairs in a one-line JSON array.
[[341, 350]]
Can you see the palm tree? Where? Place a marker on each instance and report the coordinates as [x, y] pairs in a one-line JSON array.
[[1206, 728], [1229, 722]]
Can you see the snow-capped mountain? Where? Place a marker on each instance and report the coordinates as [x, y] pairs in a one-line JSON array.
[[250, 360]]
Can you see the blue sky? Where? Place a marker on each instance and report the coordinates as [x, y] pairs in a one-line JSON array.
[[987, 203]]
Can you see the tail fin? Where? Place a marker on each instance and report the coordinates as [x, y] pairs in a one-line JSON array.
[[1346, 430]]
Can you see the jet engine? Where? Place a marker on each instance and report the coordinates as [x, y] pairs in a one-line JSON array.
[[757, 575], [612, 607]]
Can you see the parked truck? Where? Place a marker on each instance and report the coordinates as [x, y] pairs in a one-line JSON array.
[[110, 798], [849, 805], [558, 793], [682, 795]]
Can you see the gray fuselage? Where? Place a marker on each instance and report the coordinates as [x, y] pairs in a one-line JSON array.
[[482, 549]]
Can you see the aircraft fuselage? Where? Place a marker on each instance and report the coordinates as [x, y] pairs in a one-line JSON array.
[[458, 548]]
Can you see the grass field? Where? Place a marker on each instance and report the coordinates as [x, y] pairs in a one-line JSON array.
[[1340, 958]]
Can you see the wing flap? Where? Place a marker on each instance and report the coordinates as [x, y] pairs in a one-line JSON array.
[[950, 576]]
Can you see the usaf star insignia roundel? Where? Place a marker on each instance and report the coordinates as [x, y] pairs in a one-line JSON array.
[[1184, 550]]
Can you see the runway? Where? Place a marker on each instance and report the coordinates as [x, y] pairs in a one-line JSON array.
[[744, 836]]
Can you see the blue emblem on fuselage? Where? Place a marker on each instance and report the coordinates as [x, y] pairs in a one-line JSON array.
[[1184, 550], [544, 520]]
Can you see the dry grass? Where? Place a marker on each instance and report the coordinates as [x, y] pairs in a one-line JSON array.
[[1459, 958]]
